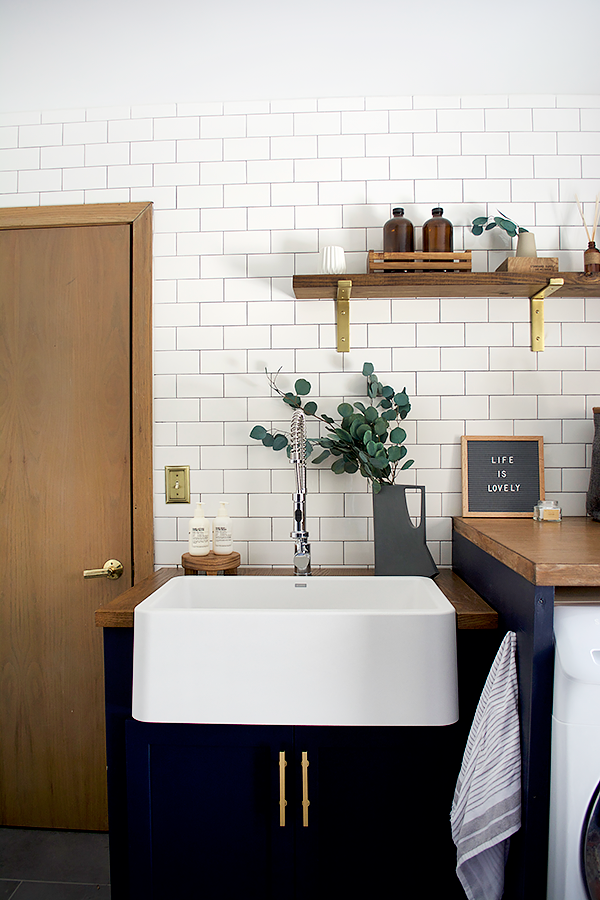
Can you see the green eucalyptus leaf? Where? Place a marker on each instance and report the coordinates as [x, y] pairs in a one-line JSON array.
[[368, 369], [371, 448], [490, 226], [367, 436], [394, 453], [322, 456], [476, 229], [292, 400], [379, 462], [389, 415], [380, 427], [360, 406], [302, 387], [350, 467], [268, 440], [397, 435], [376, 487], [523, 230], [480, 220], [344, 435], [408, 464], [385, 403], [328, 419], [345, 409], [361, 431], [371, 414], [338, 466], [279, 442], [258, 432], [310, 408], [388, 392]]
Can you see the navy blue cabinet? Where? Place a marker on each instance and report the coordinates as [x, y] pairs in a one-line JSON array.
[[194, 809], [204, 811]]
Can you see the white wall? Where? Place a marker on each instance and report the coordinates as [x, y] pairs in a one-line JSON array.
[[68, 54], [245, 195]]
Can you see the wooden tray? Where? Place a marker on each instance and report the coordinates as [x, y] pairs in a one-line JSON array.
[[543, 265], [419, 262]]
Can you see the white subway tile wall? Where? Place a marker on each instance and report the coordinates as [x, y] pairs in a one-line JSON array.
[[245, 196]]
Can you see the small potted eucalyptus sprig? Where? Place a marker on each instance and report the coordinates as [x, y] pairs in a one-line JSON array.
[[368, 439], [525, 239], [486, 223]]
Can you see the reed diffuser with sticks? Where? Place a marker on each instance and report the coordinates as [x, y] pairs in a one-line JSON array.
[[591, 256]]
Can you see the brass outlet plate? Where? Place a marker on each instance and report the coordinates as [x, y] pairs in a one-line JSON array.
[[177, 484]]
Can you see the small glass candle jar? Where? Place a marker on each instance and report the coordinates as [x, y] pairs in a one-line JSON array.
[[547, 511]]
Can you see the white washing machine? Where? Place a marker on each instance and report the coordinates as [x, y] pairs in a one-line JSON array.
[[574, 840]]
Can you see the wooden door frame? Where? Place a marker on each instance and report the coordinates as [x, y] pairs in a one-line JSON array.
[[139, 217]]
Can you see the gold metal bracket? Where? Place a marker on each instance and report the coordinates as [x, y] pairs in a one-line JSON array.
[[537, 312], [342, 315]]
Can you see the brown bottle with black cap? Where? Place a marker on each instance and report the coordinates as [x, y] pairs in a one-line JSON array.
[[437, 233], [398, 233]]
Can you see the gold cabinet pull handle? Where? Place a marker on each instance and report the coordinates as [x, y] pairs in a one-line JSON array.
[[305, 801], [112, 569], [282, 800]]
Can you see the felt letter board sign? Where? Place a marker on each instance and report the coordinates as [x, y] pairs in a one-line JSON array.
[[501, 476]]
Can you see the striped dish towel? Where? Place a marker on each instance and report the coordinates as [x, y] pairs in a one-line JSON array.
[[486, 808]]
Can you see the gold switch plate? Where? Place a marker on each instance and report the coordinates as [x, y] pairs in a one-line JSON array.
[[177, 484]]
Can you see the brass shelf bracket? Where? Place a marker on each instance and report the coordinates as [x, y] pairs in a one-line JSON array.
[[537, 312], [342, 315]]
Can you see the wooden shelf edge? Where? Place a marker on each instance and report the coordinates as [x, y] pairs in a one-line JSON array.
[[445, 284]]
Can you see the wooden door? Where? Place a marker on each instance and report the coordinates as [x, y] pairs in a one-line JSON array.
[[66, 469]]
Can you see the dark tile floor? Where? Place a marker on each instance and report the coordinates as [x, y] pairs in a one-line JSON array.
[[53, 865]]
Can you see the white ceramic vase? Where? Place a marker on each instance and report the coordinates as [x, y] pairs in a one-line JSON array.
[[526, 244], [333, 261]]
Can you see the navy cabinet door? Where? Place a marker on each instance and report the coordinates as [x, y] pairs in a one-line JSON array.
[[204, 812], [378, 820]]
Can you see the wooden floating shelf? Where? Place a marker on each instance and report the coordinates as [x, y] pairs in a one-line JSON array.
[[445, 284]]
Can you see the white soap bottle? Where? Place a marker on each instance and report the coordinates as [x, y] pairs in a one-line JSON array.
[[199, 533], [222, 532]]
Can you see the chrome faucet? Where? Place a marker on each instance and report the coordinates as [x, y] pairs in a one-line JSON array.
[[298, 458]]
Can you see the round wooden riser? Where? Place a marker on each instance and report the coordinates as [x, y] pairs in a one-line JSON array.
[[212, 563]]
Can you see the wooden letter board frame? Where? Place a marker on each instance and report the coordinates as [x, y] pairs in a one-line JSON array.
[[507, 471]]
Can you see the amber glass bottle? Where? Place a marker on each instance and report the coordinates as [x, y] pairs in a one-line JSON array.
[[398, 233], [591, 259], [437, 233]]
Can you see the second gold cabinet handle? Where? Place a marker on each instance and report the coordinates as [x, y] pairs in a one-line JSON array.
[[282, 800], [305, 801]]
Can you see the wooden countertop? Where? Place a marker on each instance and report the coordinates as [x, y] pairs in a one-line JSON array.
[[471, 611], [565, 554]]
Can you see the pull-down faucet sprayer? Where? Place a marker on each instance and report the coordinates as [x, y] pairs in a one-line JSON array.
[[298, 458]]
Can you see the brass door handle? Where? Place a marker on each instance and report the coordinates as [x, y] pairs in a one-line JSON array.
[[305, 801], [112, 569], [282, 800]]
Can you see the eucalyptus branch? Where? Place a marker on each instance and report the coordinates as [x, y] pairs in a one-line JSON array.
[[359, 442]]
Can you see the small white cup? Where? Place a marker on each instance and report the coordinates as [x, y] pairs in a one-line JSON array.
[[333, 261]]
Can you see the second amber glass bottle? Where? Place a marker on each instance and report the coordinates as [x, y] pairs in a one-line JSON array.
[[437, 233]]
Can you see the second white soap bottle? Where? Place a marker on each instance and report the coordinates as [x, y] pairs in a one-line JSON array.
[[222, 532]]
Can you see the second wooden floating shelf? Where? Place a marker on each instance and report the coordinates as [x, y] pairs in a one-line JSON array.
[[444, 284]]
